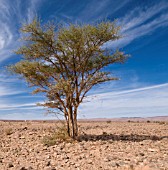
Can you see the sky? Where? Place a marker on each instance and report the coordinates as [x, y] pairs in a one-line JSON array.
[[142, 90]]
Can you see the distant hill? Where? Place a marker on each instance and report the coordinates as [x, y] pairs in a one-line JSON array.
[[155, 118]]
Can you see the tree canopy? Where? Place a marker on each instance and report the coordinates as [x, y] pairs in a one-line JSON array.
[[66, 62]]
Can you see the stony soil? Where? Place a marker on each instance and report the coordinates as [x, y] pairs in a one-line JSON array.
[[101, 146]]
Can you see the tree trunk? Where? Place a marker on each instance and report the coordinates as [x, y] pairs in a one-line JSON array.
[[75, 122], [72, 124], [67, 122]]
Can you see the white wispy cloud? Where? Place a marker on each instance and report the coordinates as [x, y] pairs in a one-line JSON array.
[[139, 16], [139, 89], [6, 30], [88, 11], [32, 9], [8, 91], [140, 102], [146, 101], [8, 85], [18, 106], [6, 39], [12, 16], [97, 10], [140, 22]]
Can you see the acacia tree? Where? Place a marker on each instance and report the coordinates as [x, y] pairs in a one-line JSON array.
[[66, 63]]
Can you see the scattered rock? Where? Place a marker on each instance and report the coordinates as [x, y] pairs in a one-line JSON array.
[[48, 163], [152, 150], [142, 154], [122, 144], [89, 162], [10, 165]]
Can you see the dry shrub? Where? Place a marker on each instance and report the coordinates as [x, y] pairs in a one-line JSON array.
[[162, 123], [60, 135], [8, 131], [49, 141]]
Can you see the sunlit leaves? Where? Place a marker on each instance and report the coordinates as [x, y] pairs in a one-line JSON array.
[[66, 63]]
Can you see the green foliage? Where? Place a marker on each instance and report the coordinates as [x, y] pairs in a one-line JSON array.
[[60, 135], [65, 63]]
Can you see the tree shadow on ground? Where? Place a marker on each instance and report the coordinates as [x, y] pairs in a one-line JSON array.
[[121, 137]]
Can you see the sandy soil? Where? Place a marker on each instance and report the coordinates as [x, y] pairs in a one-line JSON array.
[[101, 145]]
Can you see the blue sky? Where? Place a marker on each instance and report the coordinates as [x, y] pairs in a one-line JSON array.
[[142, 90]]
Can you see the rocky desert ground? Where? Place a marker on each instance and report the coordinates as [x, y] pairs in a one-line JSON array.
[[104, 145]]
